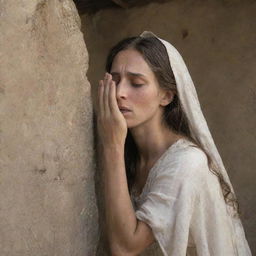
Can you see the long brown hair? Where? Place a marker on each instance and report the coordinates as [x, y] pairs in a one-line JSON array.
[[156, 56]]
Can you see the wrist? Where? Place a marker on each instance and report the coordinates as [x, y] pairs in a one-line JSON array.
[[112, 158], [113, 149]]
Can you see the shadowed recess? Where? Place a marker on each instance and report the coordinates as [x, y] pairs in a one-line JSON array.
[[92, 6]]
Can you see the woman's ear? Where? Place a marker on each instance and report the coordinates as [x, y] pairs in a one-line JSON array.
[[167, 97]]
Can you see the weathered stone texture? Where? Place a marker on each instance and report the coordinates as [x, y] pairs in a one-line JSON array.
[[217, 40], [47, 201]]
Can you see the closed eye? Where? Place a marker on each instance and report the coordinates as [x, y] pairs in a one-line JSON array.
[[137, 85]]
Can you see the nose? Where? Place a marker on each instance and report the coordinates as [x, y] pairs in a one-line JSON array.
[[121, 90]]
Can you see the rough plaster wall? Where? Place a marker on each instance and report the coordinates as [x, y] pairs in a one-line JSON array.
[[47, 202], [217, 40]]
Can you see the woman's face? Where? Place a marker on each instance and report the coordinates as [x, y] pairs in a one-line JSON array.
[[137, 88]]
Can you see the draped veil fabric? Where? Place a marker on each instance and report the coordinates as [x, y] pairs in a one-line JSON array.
[[182, 200]]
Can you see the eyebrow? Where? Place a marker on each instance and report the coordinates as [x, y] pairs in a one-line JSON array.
[[129, 73]]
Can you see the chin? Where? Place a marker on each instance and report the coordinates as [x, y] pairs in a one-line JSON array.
[[131, 125]]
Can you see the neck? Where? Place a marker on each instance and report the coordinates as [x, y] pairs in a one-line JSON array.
[[152, 140]]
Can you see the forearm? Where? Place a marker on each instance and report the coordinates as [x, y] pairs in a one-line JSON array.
[[121, 221]]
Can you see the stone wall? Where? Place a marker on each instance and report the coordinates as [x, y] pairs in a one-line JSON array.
[[217, 40], [47, 201]]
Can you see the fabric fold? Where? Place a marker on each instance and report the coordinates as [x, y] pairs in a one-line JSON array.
[[185, 209]]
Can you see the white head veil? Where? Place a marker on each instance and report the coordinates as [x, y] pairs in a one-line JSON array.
[[191, 106]]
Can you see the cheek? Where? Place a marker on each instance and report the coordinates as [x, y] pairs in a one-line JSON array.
[[144, 97]]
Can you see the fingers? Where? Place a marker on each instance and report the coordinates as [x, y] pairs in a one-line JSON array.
[[112, 102], [107, 81], [102, 96], [105, 90], [112, 98], [107, 103]]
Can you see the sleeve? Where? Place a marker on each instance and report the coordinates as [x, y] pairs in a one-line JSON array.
[[170, 202]]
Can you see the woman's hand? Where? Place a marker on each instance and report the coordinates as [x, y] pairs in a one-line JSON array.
[[111, 124]]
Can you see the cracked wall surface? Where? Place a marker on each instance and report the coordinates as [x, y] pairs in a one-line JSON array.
[[217, 40], [47, 199]]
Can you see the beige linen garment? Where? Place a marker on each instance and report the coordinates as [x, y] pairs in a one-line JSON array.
[[183, 204]]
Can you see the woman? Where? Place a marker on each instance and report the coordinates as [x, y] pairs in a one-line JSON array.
[[164, 180]]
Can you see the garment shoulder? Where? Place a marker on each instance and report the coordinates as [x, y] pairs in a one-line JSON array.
[[187, 158], [193, 156], [183, 167]]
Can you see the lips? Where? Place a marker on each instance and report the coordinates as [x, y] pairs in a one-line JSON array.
[[124, 109]]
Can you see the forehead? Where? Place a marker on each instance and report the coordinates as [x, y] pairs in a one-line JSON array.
[[130, 60]]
